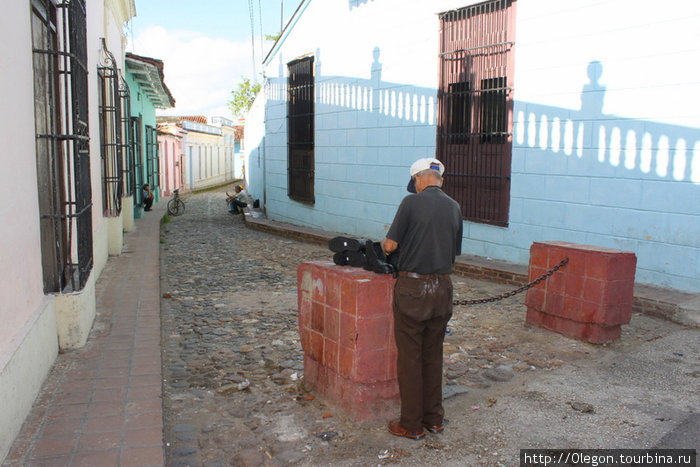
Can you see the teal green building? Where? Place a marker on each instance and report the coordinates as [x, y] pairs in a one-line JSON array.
[[147, 93]]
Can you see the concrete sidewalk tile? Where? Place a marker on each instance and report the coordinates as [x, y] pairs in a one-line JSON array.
[[145, 369], [76, 385], [153, 404], [143, 437], [105, 409], [143, 456], [148, 358], [116, 359], [144, 392], [119, 372], [145, 380], [99, 441], [83, 372], [108, 458], [67, 411], [144, 420], [105, 423], [109, 395], [62, 428], [47, 447], [52, 461], [114, 363], [74, 397], [107, 382]]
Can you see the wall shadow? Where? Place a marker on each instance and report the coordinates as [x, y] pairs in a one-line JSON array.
[[659, 221], [645, 149]]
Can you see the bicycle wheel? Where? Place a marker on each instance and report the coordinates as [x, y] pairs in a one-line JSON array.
[[176, 207]]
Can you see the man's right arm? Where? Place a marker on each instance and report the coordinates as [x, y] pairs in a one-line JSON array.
[[389, 245]]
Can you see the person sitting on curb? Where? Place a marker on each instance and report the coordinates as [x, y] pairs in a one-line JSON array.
[[147, 196], [237, 201]]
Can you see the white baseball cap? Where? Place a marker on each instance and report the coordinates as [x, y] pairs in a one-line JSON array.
[[420, 165]]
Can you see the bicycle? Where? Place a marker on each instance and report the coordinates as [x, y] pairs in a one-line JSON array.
[[176, 206]]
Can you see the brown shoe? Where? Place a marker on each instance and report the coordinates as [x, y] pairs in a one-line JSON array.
[[434, 428], [396, 429]]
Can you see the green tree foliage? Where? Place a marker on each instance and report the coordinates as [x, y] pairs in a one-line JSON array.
[[243, 97]]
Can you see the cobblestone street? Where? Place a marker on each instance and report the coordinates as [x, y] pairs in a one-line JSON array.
[[233, 371]]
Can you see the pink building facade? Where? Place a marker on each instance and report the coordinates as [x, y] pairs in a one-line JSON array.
[[170, 149]]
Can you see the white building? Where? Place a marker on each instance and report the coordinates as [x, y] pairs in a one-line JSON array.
[[64, 186], [556, 120], [211, 151]]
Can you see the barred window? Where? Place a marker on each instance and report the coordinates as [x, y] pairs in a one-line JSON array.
[[62, 142], [152, 162], [300, 130], [127, 146], [111, 134], [475, 108], [136, 149]]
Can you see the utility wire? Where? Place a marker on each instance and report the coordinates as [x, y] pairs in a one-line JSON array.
[[252, 33], [262, 49]]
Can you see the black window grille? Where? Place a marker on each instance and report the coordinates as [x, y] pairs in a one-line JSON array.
[[111, 138], [136, 145], [300, 130], [62, 142], [475, 103], [458, 103], [152, 163], [127, 147], [493, 110]]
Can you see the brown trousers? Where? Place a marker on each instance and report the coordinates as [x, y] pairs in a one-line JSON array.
[[422, 308]]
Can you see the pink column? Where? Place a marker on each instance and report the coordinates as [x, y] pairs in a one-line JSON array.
[[589, 298], [347, 334]]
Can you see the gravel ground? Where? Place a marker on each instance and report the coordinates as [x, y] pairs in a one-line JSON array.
[[233, 371]]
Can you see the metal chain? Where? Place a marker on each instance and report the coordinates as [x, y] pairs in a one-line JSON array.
[[529, 285]]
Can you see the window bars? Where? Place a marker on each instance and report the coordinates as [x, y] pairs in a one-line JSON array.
[[152, 163], [136, 148], [474, 135], [62, 142], [300, 130], [127, 148], [111, 133]]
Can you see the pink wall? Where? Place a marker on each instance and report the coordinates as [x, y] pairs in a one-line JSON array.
[[171, 162]]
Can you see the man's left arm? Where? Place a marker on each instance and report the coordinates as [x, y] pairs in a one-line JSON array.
[[460, 232]]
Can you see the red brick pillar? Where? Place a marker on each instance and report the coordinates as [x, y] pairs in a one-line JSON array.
[[347, 333], [589, 298]]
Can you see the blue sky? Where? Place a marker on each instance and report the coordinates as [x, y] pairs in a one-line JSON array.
[[205, 45]]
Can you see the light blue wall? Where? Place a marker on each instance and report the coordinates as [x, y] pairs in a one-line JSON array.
[[367, 134], [635, 188], [142, 107]]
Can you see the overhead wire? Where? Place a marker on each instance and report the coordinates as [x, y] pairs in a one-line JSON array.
[[252, 33], [255, 79]]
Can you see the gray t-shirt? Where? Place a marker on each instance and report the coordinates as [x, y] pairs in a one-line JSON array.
[[428, 229]]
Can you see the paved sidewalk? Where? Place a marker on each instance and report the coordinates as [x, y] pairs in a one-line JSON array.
[[101, 405]]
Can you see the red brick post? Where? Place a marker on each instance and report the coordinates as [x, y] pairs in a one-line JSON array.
[[346, 326], [589, 298]]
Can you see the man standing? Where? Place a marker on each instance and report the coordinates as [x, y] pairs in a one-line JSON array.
[[427, 231]]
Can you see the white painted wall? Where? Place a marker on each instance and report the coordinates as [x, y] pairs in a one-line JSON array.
[[29, 335], [624, 190], [208, 160]]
